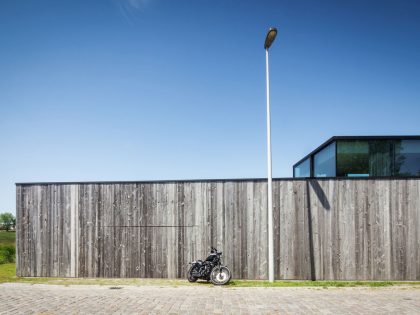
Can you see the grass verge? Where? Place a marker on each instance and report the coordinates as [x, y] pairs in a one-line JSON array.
[[7, 247], [8, 274], [319, 283], [7, 238]]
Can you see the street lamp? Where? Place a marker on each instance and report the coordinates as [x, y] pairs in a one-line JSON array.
[[271, 35]]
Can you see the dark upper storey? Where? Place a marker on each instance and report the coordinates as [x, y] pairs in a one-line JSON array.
[[362, 156]]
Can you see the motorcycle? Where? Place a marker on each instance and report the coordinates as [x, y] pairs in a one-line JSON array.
[[210, 270]]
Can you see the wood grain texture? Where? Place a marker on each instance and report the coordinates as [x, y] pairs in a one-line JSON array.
[[333, 229]]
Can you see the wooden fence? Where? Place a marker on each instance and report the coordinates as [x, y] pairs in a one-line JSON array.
[[323, 228]]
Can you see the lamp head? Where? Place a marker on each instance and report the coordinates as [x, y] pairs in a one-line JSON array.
[[271, 35]]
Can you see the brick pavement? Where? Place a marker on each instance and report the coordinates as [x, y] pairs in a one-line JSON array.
[[204, 299]]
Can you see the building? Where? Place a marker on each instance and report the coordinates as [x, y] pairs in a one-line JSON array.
[[325, 228], [363, 156]]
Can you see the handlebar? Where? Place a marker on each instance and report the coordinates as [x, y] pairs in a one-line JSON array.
[[214, 250]]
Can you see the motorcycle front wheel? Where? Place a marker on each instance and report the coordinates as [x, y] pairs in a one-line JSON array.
[[220, 275]]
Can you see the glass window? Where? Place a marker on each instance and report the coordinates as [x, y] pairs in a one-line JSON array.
[[324, 162], [352, 158], [380, 157], [303, 169], [407, 158]]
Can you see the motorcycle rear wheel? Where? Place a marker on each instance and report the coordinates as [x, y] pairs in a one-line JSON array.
[[190, 277], [220, 275]]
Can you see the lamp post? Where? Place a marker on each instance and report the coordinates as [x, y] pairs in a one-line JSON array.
[[271, 35]]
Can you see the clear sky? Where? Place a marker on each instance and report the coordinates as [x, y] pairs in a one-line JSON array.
[[154, 89]]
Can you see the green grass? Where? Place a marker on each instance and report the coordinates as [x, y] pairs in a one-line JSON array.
[[8, 274], [7, 238], [296, 283], [7, 254], [7, 247]]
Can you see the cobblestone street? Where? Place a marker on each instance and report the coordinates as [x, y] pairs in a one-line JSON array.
[[83, 299]]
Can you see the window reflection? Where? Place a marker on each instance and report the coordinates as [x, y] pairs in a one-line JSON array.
[[352, 158], [363, 157], [407, 158], [303, 169], [381, 157], [324, 162]]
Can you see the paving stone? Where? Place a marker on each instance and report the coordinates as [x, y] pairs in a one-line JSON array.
[[19, 298]]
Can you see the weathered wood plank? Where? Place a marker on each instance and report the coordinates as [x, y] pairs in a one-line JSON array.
[[324, 229]]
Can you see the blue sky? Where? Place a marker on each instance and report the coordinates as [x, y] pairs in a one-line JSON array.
[[154, 89]]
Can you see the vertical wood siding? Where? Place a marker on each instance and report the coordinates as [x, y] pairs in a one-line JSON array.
[[323, 229]]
